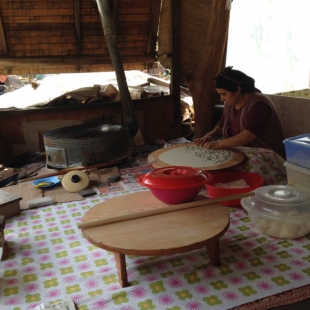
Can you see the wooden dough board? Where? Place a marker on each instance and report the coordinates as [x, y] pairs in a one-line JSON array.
[[156, 162], [161, 234]]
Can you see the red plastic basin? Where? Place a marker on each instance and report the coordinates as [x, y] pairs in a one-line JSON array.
[[252, 179]]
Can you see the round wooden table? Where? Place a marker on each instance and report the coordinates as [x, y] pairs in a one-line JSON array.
[[161, 234]]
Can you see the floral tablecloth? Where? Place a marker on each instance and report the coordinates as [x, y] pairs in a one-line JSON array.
[[48, 260]]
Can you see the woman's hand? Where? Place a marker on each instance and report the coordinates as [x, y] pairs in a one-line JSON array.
[[201, 141], [214, 145]]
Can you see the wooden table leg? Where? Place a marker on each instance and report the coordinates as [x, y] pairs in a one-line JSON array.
[[120, 261], [213, 247]]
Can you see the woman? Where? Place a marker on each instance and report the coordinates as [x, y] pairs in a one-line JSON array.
[[249, 119]]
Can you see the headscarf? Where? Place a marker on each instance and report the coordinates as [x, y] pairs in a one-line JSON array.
[[230, 79]]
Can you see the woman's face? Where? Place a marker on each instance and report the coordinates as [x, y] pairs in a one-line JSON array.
[[227, 96]]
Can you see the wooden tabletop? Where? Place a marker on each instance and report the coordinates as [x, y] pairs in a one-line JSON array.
[[162, 234]]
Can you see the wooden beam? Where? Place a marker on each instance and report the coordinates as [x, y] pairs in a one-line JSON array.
[[77, 26], [72, 60], [115, 15], [3, 46], [155, 15], [111, 40]]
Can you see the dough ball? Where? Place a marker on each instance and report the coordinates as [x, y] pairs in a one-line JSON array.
[[273, 231], [285, 234]]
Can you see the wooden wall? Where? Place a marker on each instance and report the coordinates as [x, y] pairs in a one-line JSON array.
[[21, 130]]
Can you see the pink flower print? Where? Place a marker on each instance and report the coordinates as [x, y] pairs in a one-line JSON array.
[[209, 274], [253, 233], [77, 251], [202, 289], [77, 298], [72, 237], [161, 266], [297, 263], [297, 251], [64, 262], [11, 282], [100, 304], [240, 265], [264, 286], [70, 279], [91, 284], [39, 232], [97, 254], [250, 244], [32, 287], [140, 261], [68, 226], [184, 269], [239, 215], [48, 214], [59, 208], [41, 244], [36, 222], [25, 240], [268, 271], [139, 292], [63, 217], [45, 258], [23, 229], [27, 253], [165, 300], [56, 234], [151, 278], [296, 276], [105, 269], [9, 238], [246, 255], [193, 305], [175, 282], [10, 265], [234, 222], [84, 266], [52, 224], [114, 288], [273, 247], [271, 258], [231, 231], [59, 247], [30, 269], [49, 273], [231, 296], [127, 308], [235, 280], [12, 301], [52, 294]]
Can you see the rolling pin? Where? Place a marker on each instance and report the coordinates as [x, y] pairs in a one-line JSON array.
[[149, 212]]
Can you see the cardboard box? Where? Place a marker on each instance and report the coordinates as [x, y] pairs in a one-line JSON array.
[[9, 204]]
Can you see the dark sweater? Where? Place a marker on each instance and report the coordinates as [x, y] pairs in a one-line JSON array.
[[270, 136]]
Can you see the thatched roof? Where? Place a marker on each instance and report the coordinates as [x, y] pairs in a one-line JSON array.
[[58, 36]]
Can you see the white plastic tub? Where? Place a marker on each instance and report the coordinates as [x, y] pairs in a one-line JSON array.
[[298, 176]]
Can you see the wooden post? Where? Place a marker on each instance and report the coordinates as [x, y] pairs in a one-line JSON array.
[[109, 32]]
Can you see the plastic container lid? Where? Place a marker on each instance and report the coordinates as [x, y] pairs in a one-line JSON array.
[[174, 177], [282, 199], [301, 140]]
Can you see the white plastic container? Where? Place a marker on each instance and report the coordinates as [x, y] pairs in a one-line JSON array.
[[298, 176], [281, 211]]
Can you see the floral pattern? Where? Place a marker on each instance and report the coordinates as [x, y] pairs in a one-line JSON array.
[[49, 260]]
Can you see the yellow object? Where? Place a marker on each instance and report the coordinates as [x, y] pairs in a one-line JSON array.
[[43, 184]]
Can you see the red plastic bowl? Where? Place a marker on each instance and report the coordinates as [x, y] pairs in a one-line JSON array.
[[175, 184], [252, 179]]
